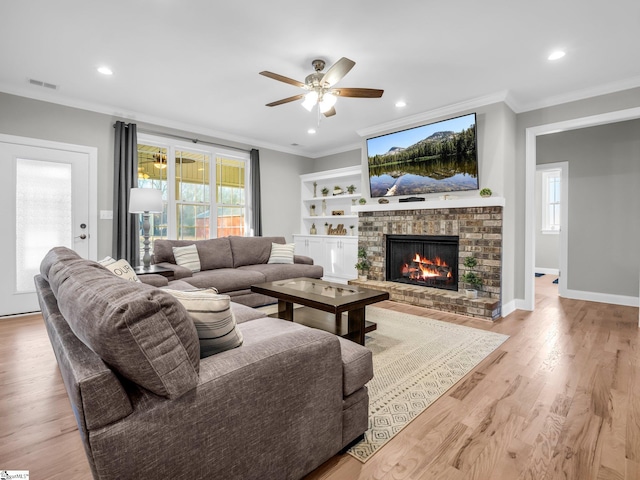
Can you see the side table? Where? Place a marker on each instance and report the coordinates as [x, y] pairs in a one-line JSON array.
[[153, 269]]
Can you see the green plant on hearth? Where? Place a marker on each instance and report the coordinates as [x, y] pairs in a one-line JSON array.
[[485, 192], [363, 264], [471, 277], [351, 189]]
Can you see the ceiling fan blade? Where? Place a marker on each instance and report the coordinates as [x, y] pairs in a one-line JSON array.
[[330, 113], [358, 92], [286, 100], [337, 71], [282, 78]]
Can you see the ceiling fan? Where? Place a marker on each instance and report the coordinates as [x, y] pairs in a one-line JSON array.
[[321, 89]]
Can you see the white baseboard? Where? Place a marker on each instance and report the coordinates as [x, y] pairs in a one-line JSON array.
[[627, 301], [548, 271], [508, 308]]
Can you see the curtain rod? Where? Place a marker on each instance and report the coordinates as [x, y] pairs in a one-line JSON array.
[[192, 140]]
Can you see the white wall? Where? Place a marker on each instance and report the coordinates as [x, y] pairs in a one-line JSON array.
[[26, 117], [547, 245]]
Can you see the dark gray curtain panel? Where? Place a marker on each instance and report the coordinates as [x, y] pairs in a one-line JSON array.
[[125, 177], [255, 193]]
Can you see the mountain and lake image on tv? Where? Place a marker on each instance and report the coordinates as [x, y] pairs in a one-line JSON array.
[[435, 158]]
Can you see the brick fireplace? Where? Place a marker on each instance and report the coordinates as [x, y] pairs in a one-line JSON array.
[[476, 225]]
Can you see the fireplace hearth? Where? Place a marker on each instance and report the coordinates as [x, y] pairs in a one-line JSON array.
[[425, 260]]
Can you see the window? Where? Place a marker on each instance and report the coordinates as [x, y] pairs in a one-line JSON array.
[[205, 189], [551, 195]]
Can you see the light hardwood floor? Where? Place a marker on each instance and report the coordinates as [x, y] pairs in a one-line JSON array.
[[559, 400]]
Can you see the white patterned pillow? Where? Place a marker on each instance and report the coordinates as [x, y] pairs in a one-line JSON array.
[[187, 257], [213, 318], [120, 268], [282, 253]]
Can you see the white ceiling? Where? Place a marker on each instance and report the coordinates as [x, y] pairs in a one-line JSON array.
[[194, 64]]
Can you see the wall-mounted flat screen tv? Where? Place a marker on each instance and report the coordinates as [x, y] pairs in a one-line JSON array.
[[434, 158]]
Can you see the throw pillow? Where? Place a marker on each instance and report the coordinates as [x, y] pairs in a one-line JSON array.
[[213, 318], [120, 268], [282, 253], [107, 261], [187, 257]]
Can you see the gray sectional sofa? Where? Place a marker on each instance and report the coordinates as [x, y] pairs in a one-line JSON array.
[[233, 264], [276, 407]]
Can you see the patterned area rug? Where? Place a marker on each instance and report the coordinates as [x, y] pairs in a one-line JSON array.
[[415, 360]]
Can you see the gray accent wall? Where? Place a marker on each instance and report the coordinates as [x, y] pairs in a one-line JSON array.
[[604, 205], [339, 160], [26, 117], [612, 102]]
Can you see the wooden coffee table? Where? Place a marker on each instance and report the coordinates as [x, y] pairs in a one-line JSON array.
[[324, 304]]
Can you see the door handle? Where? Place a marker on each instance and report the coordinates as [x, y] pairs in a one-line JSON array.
[[81, 237]]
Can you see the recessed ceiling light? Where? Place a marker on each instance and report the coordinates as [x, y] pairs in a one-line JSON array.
[[558, 54], [311, 131], [105, 70], [401, 104]]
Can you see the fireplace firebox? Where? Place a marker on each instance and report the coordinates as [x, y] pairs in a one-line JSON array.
[[426, 260]]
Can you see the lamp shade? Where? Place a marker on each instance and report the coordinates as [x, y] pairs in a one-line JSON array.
[[145, 200]]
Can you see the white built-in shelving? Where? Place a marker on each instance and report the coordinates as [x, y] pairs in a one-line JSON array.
[[337, 253]]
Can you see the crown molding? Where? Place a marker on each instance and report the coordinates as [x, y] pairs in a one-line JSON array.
[[576, 95], [454, 108], [57, 99]]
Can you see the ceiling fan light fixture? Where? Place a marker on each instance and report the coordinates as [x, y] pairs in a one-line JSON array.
[[310, 100], [160, 160], [327, 102]]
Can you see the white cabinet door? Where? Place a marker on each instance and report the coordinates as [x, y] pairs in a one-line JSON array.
[[310, 246], [340, 257]]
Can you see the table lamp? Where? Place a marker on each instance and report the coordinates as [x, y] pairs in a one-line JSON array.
[[145, 201]]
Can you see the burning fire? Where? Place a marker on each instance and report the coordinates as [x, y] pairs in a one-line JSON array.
[[422, 268]]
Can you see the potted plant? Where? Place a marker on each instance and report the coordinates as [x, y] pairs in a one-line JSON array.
[[485, 192], [471, 277], [363, 265], [325, 191], [362, 201], [351, 189]]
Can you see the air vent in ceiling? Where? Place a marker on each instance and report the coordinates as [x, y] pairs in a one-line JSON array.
[[40, 83]]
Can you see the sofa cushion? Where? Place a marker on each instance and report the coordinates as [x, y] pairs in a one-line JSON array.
[[357, 366], [140, 331], [282, 253], [252, 250], [225, 279], [213, 252], [275, 272], [242, 313], [187, 257], [214, 320]]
